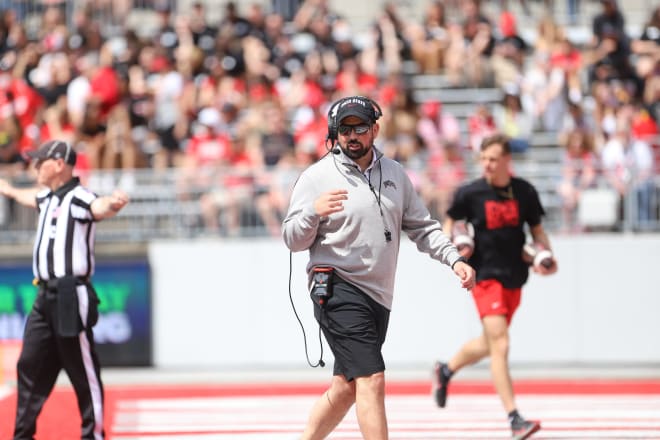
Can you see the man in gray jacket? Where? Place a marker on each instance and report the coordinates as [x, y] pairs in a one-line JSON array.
[[348, 210]]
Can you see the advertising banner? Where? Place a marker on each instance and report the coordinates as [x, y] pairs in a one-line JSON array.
[[123, 332]]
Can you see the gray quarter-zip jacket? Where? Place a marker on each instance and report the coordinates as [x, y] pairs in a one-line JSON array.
[[353, 240]]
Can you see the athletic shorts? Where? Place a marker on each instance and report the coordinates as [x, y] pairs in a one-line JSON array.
[[355, 327], [492, 298]]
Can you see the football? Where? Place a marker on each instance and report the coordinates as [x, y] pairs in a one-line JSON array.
[[536, 254], [462, 235]]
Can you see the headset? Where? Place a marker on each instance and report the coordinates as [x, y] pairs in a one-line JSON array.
[[333, 123]]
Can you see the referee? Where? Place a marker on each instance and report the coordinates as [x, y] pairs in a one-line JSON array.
[[58, 331]]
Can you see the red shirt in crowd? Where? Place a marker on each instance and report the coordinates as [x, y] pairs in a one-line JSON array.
[[19, 99], [209, 149], [106, 88]]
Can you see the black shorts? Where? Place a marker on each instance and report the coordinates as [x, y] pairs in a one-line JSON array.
[[355, 327], [167, 139]]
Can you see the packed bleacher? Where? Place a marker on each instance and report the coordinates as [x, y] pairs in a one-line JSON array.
[[207, 123]]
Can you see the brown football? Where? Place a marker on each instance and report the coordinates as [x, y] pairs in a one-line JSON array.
[[536, 254]]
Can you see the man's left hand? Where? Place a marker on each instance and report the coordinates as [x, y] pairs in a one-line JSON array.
[[118, 200], [542, 270]]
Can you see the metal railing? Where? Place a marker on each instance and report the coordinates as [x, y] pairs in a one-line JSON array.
[[163, 205]]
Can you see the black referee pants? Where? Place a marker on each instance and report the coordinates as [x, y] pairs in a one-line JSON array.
[[45, 353]]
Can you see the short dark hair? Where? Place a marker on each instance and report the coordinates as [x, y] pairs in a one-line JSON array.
[[497, 138]]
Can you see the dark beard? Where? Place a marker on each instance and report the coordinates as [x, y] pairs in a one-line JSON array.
[[356, 154]]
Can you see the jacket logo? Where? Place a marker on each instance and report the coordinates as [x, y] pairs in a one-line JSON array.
[[389, 183]]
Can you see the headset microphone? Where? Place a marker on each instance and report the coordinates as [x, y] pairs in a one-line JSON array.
[[336, 150]]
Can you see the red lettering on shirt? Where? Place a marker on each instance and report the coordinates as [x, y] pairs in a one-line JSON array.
[[502, 213]]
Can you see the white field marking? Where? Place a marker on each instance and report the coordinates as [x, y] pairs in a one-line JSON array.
[[409, 417], [5, 391], [445, 435]]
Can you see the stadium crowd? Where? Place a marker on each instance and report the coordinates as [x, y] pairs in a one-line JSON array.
[[239, 106]]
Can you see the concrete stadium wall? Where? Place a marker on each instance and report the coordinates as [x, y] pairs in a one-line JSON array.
[[226, 304]]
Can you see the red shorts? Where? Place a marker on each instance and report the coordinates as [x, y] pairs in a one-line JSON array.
[[492, 298]]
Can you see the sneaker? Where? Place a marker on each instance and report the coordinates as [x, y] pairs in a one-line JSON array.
[[440, 382], [523, 429]]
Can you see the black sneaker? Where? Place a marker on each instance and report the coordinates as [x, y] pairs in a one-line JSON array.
[[440, 382], [522, 429]]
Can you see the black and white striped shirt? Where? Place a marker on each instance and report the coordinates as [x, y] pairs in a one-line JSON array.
[[64, 244]]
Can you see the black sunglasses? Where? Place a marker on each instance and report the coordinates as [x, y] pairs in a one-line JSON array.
[[345, 130]]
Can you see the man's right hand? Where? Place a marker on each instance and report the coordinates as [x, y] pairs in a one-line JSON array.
[[5, 188], [330, 202], [24, 196]]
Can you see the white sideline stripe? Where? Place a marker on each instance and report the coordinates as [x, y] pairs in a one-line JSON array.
[[5, 391], [410, 417], [212, 437], [191, 426], [454, 435], [647, 416], [620, 402]]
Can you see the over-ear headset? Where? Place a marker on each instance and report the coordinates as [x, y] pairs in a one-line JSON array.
[[333, 122]]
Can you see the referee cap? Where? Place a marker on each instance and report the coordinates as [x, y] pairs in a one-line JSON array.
[[54, 149]]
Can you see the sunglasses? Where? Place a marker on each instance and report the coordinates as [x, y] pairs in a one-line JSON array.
[[345, 130]]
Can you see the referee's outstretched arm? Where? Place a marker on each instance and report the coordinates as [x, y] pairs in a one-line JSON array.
[[24, 196], [108, 206]]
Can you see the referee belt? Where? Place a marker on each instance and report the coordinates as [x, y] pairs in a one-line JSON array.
[[52, 284]]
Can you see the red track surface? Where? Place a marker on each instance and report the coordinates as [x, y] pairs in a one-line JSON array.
[[60, 421]]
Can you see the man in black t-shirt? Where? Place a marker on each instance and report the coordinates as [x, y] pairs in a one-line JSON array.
[[498, 206]]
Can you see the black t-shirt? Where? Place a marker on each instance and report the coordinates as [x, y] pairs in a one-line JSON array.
[[604, 23], [276, 145], [651, 33], [498, 216]]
